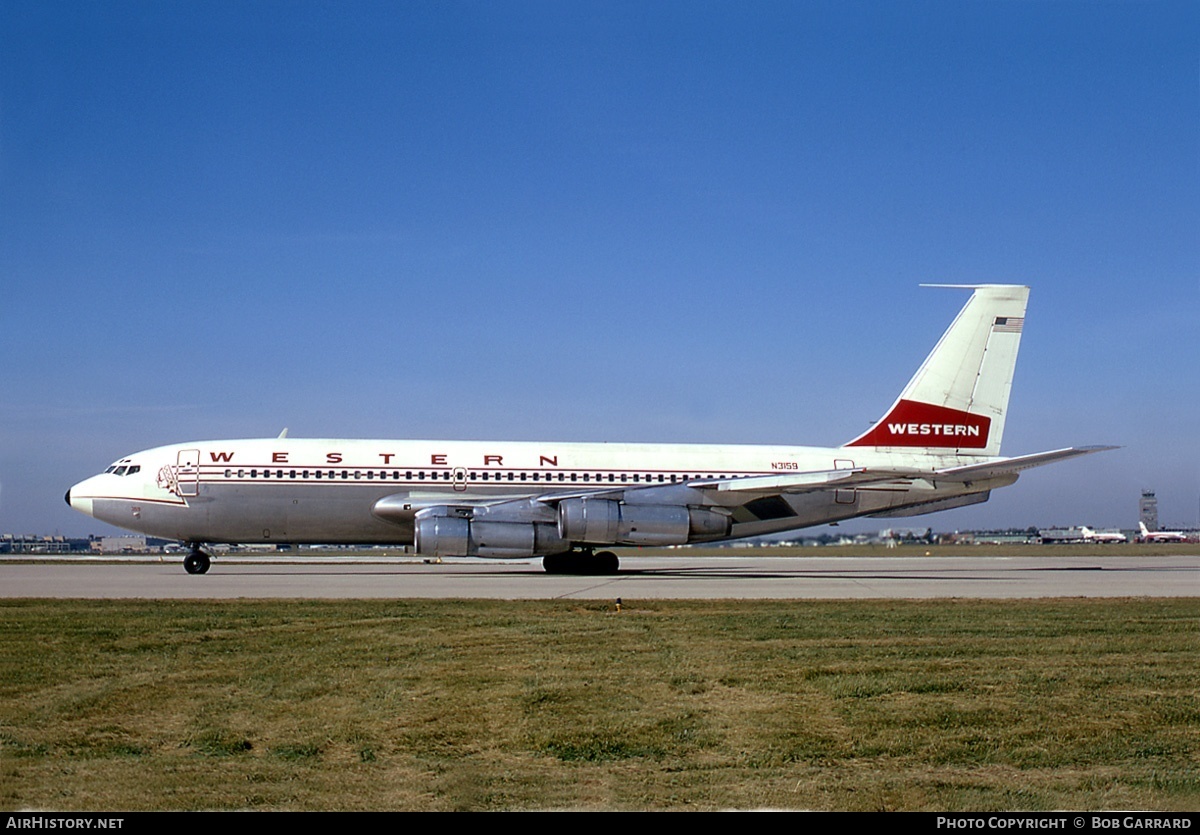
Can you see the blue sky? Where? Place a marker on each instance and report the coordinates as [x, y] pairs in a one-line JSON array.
[[663, 221]]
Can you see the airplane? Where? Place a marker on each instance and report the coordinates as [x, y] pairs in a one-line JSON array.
[[1101, 537], [1148, 535], [936, 448]]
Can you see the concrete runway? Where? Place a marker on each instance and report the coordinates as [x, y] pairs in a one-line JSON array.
[[740, 577]]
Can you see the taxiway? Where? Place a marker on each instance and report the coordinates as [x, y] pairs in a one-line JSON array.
[[734, 577]]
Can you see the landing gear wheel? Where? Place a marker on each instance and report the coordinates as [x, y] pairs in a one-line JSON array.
[[606, 562], [196, 562], [581, 563]]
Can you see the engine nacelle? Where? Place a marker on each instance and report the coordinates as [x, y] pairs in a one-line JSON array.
[[608, 522], [439, 535]]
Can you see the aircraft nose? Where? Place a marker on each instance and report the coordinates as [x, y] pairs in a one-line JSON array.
[[82, 499]]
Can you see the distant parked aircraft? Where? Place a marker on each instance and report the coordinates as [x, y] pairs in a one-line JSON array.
[[1090, 535], [1160, 536]]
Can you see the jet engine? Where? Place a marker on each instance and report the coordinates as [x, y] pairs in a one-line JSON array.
[[609, 522], [438, 532]]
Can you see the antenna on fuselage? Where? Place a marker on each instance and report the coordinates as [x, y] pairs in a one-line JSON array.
[[283, 434]]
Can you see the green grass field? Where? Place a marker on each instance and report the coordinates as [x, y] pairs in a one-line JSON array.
[[946, 705]]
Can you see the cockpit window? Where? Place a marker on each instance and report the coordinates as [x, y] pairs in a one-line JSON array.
[[134, 469], [120, 471], [110, 469]]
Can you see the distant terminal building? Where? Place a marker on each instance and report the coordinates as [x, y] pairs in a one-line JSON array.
[[11, 544], [1008, 537], [35, 544], [128, 544], [1060, 536], [1148, 510]]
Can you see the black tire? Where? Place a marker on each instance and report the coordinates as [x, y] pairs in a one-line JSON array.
[[196, 562], [555, 563], [607, 563], [581, 564]]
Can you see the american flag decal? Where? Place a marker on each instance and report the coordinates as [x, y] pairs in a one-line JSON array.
[[1008, 324]]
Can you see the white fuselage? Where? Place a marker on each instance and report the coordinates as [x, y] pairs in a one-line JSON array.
[[313, 490]]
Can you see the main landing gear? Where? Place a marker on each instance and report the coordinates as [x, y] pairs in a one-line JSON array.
[[197, 562], [584, 563]]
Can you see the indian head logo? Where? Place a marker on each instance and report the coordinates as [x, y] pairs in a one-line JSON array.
[[168, 479]]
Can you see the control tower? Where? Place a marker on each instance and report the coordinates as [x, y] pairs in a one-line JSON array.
[[1148, 510]]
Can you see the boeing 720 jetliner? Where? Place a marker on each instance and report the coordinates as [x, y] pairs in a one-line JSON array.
[[937, 447]]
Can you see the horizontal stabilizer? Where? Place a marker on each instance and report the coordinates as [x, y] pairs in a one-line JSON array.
[[1004, 466]]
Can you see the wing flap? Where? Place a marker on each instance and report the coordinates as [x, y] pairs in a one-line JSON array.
[[809, 482]]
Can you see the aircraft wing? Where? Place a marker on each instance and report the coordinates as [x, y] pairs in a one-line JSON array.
[[732, 492], [768, 485], [809, 482], [401, 507], [1005, 466]]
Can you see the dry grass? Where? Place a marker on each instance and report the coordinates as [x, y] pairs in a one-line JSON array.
[[956, 705]]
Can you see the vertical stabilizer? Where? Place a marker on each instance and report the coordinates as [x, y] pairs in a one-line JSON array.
[[958, 398]]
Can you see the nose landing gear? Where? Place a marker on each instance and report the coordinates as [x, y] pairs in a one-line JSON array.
[[197, 562]]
